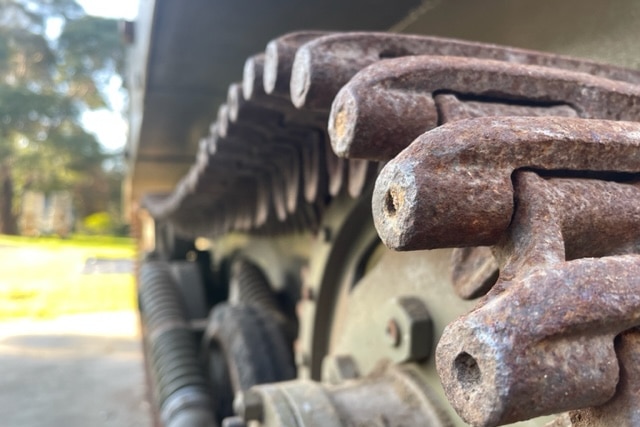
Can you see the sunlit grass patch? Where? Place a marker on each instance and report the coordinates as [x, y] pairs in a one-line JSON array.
[[44, 277], [98, 246]]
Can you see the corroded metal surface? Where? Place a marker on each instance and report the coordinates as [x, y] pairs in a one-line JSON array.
[[542, 341], [322, 66], [456, 107], [390, 103], [278, 62], [474, 271], [622, 409], [538, 349], [470, 163], [527, 163], [270, 135], [266, 167]]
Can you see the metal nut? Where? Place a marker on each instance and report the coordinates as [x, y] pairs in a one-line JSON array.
[[409, 329]]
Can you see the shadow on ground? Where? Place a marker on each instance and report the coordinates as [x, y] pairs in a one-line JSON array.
[[83, 370]]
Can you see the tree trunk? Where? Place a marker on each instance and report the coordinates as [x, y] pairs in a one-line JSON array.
[[8, 223]]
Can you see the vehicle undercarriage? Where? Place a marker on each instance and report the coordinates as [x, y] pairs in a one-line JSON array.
[[382, 229]]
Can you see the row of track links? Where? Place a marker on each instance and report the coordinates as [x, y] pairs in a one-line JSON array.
[[270, 167]]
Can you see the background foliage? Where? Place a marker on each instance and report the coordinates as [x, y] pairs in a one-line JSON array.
[[55, 63]]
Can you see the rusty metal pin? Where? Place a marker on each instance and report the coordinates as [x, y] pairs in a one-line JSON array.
[[252, 77], [245, 111], [222, 167], [488, 380], [452, 186], [285, 124], [246, 150], [268, 122], [278, 60], [542, 341], [541, 344], [323, 65], [388, 104], [253, 93], [494, 373]]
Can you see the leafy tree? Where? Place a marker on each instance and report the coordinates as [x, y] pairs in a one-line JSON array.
[[46, 82]]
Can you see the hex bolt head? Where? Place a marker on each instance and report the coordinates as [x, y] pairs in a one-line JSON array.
[[248, 405], [408, 329]]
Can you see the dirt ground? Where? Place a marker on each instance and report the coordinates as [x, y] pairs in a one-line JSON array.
[[73, 371]]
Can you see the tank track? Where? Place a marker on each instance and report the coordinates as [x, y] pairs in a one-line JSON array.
[[467, 145], [269, 163]]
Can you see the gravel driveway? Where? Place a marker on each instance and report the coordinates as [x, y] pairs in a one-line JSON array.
[[73, 371]]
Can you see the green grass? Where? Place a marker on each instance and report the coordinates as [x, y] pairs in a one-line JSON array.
[[42, 277]]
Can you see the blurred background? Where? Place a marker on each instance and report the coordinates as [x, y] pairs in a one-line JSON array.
[[67, 294], [62, 104]]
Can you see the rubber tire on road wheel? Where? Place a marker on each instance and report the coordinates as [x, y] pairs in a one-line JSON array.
[[249, 343]]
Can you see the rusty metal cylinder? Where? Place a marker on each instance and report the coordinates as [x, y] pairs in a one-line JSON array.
[[543, 345], [279, 56], [452, 186], [359, 128], [542, 341], [322, 66], [386, 105]]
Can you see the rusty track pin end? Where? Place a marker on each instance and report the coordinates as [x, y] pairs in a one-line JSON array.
[[342, 123], [393, 202], [300, 78], [468, 379]]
